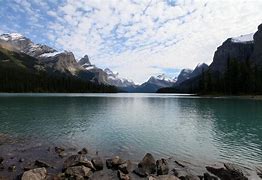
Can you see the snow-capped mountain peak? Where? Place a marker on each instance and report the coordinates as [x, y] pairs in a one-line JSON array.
[[12, 37], [164, 77]]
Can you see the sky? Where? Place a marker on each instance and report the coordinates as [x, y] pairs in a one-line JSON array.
[[137, 38]]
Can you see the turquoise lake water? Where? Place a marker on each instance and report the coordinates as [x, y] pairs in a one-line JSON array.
[[204, 130]]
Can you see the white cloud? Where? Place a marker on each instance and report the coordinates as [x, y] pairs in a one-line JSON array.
[[132, 36]]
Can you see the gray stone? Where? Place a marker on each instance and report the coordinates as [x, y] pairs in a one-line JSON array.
[[78, 172], [162, 167], [163, 177], [126, 167], [98, 163], [76, 160], [83, 151], [35, 174], [123, 176], [148, 164], [40, 163]]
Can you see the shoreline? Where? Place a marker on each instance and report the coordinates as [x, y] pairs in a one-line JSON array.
[[18, 160]]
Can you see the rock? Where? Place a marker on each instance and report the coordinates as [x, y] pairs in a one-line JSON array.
[[21, 160], [175, 172], [116, 161], [78, 172], [163, 177], [178, 163], [226, 174], [189, 177], [122, 176], [162, 167], [140, 172], [62, 154], [41, 164], [83, 151], [58, 150], [76, 160], [234, 169], [109, 163], [1, 159], [98, 163], [60, 176], [209, 177], [148, 164], [259, 172], [35, 174], [2, 167], [12, 168], [126, 167]]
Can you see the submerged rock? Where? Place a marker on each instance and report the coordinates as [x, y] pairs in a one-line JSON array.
[[259, 172], [35, 174], [59, 150], [83, 151], [78, 172], [12, 168], [162, 167], [98, 163], [1, 159], [41, 164]]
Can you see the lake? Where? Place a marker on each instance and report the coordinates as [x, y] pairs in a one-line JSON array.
[[201, 130]]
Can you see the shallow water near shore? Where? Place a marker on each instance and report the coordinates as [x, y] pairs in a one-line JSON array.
[[199, 130]]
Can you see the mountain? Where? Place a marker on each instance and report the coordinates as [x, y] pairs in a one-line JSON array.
[[236, 69], [43, 59], [105, 76], [183, 75], [18, 43], [114, 80], [238, 48], [20, 72], [199, 69], [155, 83]]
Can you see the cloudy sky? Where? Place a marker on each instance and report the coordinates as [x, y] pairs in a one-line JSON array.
[[137, 38]]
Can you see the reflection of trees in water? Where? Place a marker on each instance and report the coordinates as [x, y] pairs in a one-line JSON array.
[[237, 127]]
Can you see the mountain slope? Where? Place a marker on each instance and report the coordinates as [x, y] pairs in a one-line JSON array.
[[22, 73]]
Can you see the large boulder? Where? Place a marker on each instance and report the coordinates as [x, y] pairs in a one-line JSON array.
[[98, 163], [147, 166], [162, 167], [78, 172], [228, 173], [35, 174], [78, 160]]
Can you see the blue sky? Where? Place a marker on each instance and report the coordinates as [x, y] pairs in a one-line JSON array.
[[137, 38]]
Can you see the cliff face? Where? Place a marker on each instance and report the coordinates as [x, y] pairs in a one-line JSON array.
[[257, 54], [231, 49]]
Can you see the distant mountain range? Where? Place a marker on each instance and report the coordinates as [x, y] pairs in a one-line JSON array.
[[64, 64], [236, 68]]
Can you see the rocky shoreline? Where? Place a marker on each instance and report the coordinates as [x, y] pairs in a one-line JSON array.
[[73, 164]]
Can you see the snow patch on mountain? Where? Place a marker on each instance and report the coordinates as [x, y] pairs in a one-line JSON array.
[[52, 54], [243, 38]]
